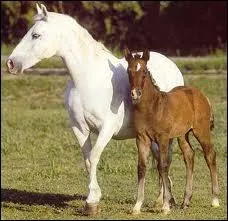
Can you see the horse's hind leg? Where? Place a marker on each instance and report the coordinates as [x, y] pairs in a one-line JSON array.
[[163, 167], [155, 151], [143, 152], [188, 154], [203, 136]]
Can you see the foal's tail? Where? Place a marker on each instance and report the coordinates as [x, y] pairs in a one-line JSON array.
[[212, 118]]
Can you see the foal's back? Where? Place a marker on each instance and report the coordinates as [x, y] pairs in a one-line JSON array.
[[187, 109]]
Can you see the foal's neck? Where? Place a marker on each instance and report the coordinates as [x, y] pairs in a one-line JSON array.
[[151, 94]]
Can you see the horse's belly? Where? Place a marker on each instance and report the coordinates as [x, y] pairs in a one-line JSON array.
[[94, 121]]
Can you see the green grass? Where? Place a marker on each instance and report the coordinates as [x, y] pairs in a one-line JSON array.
[[43, 173], [201, 63]]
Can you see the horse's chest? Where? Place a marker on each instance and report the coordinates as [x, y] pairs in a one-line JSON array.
[[84, 110]]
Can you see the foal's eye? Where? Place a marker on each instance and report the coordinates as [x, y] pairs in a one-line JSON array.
[[35, 36]]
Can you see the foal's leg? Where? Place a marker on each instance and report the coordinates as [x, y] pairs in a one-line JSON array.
[[188, 154], [164, 170], [155, 151], [143, 144], [203, 136]]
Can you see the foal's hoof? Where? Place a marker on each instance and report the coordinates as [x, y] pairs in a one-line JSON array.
[[166, 211], [172, 202], [184, 206], [135, 212], [91, 209], [215, 203]]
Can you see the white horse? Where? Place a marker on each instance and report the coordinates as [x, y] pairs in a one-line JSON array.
[[98, 96]]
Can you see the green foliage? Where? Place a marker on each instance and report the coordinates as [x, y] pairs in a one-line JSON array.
[[43, 173], [191, 27], [17, 16]]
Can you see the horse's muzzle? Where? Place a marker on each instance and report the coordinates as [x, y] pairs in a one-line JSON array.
[[13, 67]]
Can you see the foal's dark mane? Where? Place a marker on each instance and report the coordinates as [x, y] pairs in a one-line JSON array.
[[153, 81], [137, 56]]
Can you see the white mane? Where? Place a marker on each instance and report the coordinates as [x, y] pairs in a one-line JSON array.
[[79, 31]]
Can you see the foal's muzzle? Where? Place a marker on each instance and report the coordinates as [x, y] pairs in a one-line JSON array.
[[136, 94]]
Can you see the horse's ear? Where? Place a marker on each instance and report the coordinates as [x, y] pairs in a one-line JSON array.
[[44, 10], [39, 11], [146, 55], [127, 54]]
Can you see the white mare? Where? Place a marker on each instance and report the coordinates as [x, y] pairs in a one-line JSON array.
[[98, 96]]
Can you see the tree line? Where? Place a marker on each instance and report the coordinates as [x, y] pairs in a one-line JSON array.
[[172, 27]]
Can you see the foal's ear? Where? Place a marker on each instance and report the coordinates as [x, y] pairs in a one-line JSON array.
[[146, 55], [127, 54]]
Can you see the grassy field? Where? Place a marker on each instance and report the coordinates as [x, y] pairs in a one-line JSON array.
[[43, 174]]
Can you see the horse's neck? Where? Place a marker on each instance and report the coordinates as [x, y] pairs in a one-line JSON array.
[[83, 57]]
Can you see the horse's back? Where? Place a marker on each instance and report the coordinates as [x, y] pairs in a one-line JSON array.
[[164, 71]]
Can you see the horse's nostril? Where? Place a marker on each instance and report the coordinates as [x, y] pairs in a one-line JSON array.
[[10, 64], [132, 93]]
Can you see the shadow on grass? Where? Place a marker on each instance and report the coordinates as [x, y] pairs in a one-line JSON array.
[[33, 198]]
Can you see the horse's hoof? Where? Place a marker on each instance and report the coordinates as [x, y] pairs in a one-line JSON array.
[[91, 209], [135, 212], [215, 203]]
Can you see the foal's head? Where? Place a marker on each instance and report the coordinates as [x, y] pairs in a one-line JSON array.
[[137, 72]]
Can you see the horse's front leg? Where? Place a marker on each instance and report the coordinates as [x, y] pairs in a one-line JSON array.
[[85, 144], [92, 201], [77, 120], [143, 144]]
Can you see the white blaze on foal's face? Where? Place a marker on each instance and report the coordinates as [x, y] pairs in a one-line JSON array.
[[138, 67]]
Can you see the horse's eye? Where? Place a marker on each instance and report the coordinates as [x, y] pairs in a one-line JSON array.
[[35, 36]]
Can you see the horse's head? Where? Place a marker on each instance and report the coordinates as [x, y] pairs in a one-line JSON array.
[[137, 72], [40, 42]]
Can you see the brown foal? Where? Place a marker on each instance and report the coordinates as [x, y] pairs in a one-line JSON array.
[[161, 116]]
